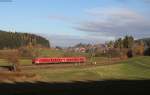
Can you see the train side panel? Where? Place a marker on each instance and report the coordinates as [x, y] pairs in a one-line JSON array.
[[59, 60]]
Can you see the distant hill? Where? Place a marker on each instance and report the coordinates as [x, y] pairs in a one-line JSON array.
[[146, 41], [16, 39]]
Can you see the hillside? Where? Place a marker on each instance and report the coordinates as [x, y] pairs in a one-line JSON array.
[[137, 68], [16, 39], [146, 41]]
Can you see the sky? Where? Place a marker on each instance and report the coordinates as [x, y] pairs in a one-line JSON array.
[[68, 22]]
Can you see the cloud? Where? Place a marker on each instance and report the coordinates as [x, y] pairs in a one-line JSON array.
[[103, 24], [113, 12], [116, 22], [145, 1]]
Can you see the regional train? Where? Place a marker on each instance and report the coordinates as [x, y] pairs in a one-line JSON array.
[[40, 61]]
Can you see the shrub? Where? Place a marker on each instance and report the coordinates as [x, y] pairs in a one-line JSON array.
[[25, 52], [29, 52], [147, 52], [130, 54], [13, 59]]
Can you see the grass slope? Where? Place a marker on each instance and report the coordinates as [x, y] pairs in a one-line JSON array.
[[57, 81], [44, 53], [135, 68]]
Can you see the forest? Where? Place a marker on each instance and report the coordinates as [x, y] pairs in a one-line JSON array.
[[12, 40]]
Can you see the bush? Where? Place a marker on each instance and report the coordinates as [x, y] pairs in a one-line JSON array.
[[29, 52], [147, 52], [113, 53], [25, 52], [130, 54], [13, 59]]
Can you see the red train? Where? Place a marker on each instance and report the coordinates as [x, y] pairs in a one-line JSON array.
[[59, 60]]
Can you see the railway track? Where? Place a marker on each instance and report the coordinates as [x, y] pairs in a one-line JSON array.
[[52, 66], [59, 66], [45, 66]]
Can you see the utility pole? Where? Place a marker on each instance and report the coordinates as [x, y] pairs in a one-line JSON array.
[[92, 54]]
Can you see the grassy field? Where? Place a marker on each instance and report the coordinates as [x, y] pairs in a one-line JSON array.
[[59, 53], [43, 53], [50, 53], [132, 75], [133, 69], [4, 62]]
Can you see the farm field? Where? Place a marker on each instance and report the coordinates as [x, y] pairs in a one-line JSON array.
[[132, 75], [137, 68], [54, 53], [106, 76]]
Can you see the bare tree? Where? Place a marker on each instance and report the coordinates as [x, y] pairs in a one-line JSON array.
[[13, 59]]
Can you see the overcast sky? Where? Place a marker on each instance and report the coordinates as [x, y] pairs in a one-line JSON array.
[[68, 22]]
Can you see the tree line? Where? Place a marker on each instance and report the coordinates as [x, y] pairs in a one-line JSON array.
[[13, 40], [126, 42], [130, 47], [147, 45]]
